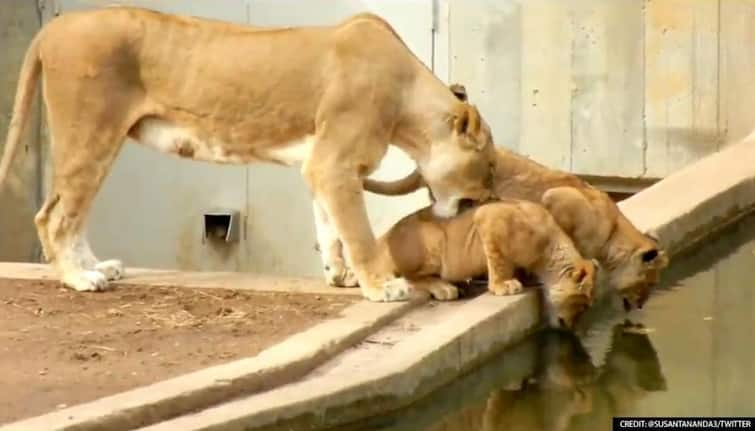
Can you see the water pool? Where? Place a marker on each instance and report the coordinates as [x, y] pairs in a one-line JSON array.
[[689, 352]]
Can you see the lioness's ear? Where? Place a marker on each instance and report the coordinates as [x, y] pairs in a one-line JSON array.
[[459, 91], [466, 120], [461, 120]]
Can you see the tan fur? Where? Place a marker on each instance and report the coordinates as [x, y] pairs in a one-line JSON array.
[[332, 98], [600, 231], [496, 239]]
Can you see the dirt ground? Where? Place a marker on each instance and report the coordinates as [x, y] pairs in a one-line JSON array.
[[59, 348]]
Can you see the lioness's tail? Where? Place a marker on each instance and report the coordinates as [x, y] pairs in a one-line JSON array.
[[27, 85], [406, 185]]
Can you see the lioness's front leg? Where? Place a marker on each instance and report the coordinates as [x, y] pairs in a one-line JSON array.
[[337, 271], [339, 192]]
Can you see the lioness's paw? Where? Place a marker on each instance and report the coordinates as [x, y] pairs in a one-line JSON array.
[[444, 292], [85, 281], [350, 279], [396, 289], [344, 278], [111, 269], [508, 287], [338, 275]]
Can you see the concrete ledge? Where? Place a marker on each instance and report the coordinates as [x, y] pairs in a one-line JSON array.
[[280, 364], [209, 280], [690, 204], [506, 370], [382, 376]]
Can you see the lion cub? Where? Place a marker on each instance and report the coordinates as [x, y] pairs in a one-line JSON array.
[[495, 239]]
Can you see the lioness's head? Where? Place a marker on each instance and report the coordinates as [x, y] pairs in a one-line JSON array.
[[571, 294], [461, 160], [636, 262]]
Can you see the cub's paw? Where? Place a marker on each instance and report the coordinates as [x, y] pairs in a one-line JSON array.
[[112, 269], [443, 291], [396, 289], [508, 287], [85, 281]]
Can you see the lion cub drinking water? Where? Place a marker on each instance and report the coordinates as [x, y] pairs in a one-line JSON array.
[[631, 259], [495, 239]]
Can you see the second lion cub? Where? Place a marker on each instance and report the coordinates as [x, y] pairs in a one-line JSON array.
[[496, 239]]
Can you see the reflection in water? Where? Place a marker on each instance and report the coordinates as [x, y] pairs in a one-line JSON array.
[[547, 382], [567, 392]]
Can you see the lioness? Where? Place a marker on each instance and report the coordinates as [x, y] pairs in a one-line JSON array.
[[600, 231], [494, 239], [331, 98]]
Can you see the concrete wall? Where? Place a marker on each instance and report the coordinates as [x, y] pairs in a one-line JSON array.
[[624, 88], [19, 22], [620, 88]]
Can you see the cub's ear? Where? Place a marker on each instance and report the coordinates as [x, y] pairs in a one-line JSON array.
[[652, 236], [466, 119], [649, 255], [579, 274], [582, 270], [654, 257], [459, 91], [595, 264]]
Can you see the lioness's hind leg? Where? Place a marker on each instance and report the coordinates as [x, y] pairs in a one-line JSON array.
[[112, 269], [65, 229], [78, 175], [91, 107], [41, 220], [88, 259]]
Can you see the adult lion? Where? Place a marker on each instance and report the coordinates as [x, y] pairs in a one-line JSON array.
[[632, 260], [331, 98]]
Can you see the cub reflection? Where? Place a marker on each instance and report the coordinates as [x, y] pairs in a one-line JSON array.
[[567, 392]]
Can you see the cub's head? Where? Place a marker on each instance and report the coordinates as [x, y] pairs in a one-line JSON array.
[[571, 294], [459, 165], [635, 262], [631, 261]]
